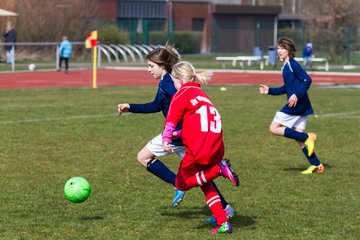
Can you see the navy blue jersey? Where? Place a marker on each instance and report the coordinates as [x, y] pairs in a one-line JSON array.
[[296, 81], [162, 99], [161, 102]]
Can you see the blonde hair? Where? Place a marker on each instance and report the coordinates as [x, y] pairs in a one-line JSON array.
[[187, 73]]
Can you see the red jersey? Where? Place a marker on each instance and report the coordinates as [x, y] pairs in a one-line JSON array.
[[201, 124]]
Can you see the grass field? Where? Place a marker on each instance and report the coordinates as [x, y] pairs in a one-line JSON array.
[[50, 135]]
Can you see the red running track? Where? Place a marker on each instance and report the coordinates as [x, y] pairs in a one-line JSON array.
[[140, 77]]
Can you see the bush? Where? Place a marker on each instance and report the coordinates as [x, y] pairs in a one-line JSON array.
[[294, 34], [111, 34], [185, 42], [158, 38]]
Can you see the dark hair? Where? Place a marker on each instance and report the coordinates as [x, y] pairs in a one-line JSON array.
[[288, 44], [164, 57]]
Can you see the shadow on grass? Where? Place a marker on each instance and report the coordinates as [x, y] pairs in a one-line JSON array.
[[188, 212], [302, 168], [91, 218], [239, 221]]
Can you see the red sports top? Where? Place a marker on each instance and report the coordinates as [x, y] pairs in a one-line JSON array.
[[201, 124]]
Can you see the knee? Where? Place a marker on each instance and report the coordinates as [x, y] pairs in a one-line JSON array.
[[272, 129], [279, 131], [141, 159], [144, 159]]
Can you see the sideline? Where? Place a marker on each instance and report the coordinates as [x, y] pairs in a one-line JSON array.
[[34, 120], [340, 114]]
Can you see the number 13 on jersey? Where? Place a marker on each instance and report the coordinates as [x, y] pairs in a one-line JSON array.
[[209, 118]]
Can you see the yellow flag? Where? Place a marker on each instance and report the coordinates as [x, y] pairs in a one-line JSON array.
[[91, 40]]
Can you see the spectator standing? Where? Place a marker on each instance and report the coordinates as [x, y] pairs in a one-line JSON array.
[[65, 50], [9, 39], [307, 55]]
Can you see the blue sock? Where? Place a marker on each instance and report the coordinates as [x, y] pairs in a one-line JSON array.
[[291, 133], [223, 201], [313, 160], [157, 168]]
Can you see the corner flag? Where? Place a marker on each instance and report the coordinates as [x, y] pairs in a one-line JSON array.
[[91, 42]]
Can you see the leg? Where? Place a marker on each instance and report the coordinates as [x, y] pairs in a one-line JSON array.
[[214, 203], [66, 64], [213, 200], [8, 57], [229, 211], [281, 120], [60, 61], [155, 166], [313, 160], [195, 177], [280, 130]]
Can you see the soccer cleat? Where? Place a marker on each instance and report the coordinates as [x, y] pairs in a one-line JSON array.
[[229, 211], [310, 143], [223, 228], [228, 172], [178, 197], [313, 168], [309, 170]]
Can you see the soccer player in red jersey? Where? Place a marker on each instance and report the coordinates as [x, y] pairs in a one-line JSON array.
[[202, 136]]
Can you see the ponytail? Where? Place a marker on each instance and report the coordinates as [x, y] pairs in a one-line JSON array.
[[186, 72]]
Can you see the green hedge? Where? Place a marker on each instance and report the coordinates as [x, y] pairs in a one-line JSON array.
[[185, 42], [111, 34]]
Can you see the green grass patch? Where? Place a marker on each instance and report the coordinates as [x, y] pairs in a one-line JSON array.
[[50, 135]]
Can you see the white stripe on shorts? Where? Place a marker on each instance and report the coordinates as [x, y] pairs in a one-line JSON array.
[[198, 179]]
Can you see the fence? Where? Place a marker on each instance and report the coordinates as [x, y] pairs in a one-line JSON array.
[[46, 54]]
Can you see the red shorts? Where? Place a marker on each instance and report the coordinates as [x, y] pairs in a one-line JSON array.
[[189, 167]]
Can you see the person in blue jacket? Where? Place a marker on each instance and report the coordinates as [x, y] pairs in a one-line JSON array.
[[65, 50], [290, 121], [307, 55], [160, 62]]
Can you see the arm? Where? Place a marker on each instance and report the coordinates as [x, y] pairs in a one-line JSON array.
[[277, 91], [166, 136], [264, 90], [173, 118], [150, 107]]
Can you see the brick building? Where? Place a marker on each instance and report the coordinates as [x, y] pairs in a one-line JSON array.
[[225, 25]]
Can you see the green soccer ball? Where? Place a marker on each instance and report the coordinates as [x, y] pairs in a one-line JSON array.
[[77, 189]]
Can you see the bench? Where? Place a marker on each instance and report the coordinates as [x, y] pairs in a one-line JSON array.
[[241, 60], [316, 60]]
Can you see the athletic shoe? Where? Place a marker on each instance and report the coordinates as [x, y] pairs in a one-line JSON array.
[[227, 171], [178, 197], [310, 143], [313, 168], [229, 211], [223, 228]]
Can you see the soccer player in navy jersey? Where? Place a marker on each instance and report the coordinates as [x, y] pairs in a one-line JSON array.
[[202, 136], [160, 62], [290, 121]]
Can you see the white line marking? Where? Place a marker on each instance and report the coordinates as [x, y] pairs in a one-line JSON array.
[[56, 118], [341, 114]]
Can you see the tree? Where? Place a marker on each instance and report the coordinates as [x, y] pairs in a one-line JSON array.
[[328, 23], [47, 21]]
